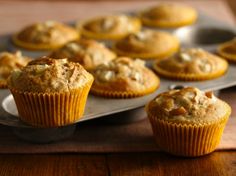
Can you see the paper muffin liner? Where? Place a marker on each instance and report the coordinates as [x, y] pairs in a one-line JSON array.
[[227, 56], [190, 77], [188, 140], [122, 94], [149, 56], [51, 109], [36, 46], [167, 24]]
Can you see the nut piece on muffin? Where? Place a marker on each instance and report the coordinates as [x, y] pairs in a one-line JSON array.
[[50, 92], [9, 62], [192, 64], [169, 16], [113, 27], [188, 122], [147, 44], [124, 78], [46, 35], [89, 53], [227, 50]]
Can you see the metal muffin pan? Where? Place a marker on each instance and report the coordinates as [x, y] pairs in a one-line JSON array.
[[98, 106], [192, 36]]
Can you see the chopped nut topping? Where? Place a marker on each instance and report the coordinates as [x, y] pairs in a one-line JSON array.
[[106, 75], [177, 105], [178, 111], [185, 57], [49, 75], [74, 46], [141, 36], [209, 94], [121, 68], [49, 23], [107, 23]]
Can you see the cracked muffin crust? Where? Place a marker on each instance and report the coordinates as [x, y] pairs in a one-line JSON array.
[[124, 78], [191, 64], [109, 27], [9, 62], [168, 16], [187, 122], [188, 105], [49, 75], [45, 36], [147, 44], [89, 53]]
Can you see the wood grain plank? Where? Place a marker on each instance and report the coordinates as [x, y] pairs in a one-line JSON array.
[[58, 165], [148, 164]]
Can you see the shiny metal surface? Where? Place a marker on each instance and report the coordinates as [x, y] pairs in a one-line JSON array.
[[99, 106], [203, 35]]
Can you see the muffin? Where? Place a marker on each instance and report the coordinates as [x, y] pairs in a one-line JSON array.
[[50, 92], [168, 16], [192, 64], [88, 53], [9, 62], [109, 27], [228, 50], [124, 78], [45, 36], [147, 44], [187, 122]]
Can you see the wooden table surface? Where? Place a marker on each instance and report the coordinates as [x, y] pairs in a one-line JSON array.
[[16, 14]]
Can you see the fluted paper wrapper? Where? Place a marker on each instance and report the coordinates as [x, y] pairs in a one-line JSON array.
[[148, 56], [125, 94], [166, 24], [51, 109], [187, 139], [190, 77]]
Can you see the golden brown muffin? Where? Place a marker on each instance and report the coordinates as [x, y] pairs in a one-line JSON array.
[[50, 92], [45, 36], [188, 122], [109, 27], [168, 16], [124, 78], [228, 50], [192, 64], [88, 53], [9, 62], [147, 44]]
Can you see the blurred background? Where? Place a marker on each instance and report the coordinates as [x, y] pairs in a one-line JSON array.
[[231, 3]]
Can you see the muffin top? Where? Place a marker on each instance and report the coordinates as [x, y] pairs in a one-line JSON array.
[[124, 74], [9, 62], [169, 15], [116, 26], [187, 105], [89, 53], [147, 43], [192, 61], [48, 75], [45, 35]]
